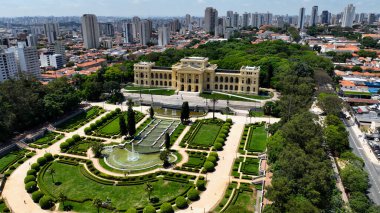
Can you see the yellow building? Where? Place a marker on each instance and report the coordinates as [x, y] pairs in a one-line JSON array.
[[196, 74]]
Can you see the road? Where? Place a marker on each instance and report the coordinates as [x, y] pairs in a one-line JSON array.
[[372, 169]]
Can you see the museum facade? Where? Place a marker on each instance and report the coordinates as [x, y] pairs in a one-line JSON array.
[[196, 74]]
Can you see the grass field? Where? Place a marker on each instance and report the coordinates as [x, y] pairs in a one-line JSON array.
[[7, 159], [149, 90], [206, 135], [250, 166], [257, 141], [234, 98], [195, 160], [245, 202], [113, 128], [76, 186], [78, 119], [357, 93], [48, 137]]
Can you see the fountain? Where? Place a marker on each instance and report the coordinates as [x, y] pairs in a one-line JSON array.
[[134, 156]]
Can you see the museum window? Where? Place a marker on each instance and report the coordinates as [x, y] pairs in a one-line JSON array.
[[216, 79], [225, 87]]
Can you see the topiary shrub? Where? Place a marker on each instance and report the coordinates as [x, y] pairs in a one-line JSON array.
[[219, 140], [181, 202], [46, 202], [76, 138], [193, 194], [215, 154], [70, 141], [166, 208], [37, 195], [218, 146], [209, 166], [117, 110], [149, 209], [64, 146], [212, 159], [31, 186], [42, 161], [48, 156], [31, 172], [131, 210], [29, 178], [229, 120], [201, 185], [35, 166]]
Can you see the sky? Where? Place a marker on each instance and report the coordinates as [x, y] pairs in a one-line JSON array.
[[165, 8]]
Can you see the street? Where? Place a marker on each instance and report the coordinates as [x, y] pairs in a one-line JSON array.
[[372, 169]]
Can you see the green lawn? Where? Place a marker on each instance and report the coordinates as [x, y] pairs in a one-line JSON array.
[[245, 202], [113, 128], [233, 98], [195, 161], [7, 159], [357, 93], [47, 138], [257, 141], [250, 166], [206, 135], [150, 90], [78, 119], [259, 113], [76, 186]]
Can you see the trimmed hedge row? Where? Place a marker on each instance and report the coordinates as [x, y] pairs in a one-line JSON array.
[[99, 111]]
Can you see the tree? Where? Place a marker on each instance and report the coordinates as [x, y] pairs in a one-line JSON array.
[[164, 156], [185, 112], [359, 202], [149, 189], [167, 141], [301, 204], [51, 171], [62, 198], [131, 121], [122, 125], [330, 103], [369, 42], [354, 179], [97, 203], [151, 112], [214, 101], [336, 139], [97, 149]]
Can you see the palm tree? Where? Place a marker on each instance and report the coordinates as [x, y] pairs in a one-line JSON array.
[[149, 189], [51, 171], [97, 203], [214, 101], [62, 198]]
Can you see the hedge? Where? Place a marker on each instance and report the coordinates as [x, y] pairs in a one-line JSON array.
[[31, 172], [193, 194], [46, 202], [31, 186], [131, 210], [166, 208], [218, 146], [41, 161], [29, 178], [181, 202], [209, 166], [37, 195], [201, 185], [149, 209]]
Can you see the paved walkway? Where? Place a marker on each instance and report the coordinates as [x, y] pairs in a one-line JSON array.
[[218, 181]]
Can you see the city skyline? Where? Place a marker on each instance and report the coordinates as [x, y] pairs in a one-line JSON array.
[[166, 8]]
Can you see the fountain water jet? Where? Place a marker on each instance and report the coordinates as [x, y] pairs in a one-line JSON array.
[[133, 156]]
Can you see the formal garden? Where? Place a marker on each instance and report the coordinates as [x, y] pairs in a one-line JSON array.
[[80, 119], [47, 139], [254, 139], [10, 161]]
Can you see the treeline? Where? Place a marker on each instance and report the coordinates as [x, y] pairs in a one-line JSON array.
[[275, 58], [24, 104], [354, 177]]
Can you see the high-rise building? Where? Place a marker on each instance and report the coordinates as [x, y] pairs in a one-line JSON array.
[[128, 33], [50, 59], [175, 26], [268, 18], [235, 20], [361, 17], [301, 18], [90, 31], [27, 59], [256, 20], [135, 27], [187, 21], [58, 48], [325, 17], [280, 22], [163, 36], [145, 31], [211, 16], [31, 40], [371, 18], [348, 16], [314, 16], [51, 31], [219, 28], [106, 29], [8, 65], [245, 20]]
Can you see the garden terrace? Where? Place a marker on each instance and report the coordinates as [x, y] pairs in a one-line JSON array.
[[254, 138], [81, 119], [87, 187], [108, 125], [81, 147], [10, 161], [153, 135], [195, 162], [206, 133], [49, 138]]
